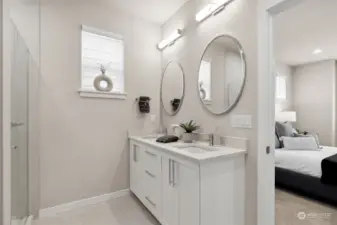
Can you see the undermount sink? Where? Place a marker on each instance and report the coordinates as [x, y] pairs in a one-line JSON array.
[[195, 148]]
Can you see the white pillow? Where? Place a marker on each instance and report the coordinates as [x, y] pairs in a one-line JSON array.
[[300, 143]]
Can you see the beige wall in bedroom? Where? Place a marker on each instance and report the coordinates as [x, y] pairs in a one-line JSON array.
[[314, 99], [240, 20], [83, 142]]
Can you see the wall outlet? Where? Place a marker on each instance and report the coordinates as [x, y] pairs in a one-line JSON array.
[[241, 121], [153, 118]]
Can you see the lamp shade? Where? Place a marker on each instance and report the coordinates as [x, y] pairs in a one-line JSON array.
[[285, 116]]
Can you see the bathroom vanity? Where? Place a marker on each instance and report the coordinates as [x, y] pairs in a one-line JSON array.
[[189, 184]]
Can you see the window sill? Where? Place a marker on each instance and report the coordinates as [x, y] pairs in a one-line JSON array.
[[207, 102], [98, 94]]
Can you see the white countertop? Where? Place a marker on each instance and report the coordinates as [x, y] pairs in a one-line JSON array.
[[216, 152]]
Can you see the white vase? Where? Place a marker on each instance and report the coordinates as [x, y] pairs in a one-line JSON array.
[[188, 137]]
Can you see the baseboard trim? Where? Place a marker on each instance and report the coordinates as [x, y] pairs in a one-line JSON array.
[[54, 211], [29, 220]]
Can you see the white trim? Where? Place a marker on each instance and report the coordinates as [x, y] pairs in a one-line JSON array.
[[101, 32], [29, 220], [54, 211], [98, 94], [24, 221], [7, 42], [266, 109]]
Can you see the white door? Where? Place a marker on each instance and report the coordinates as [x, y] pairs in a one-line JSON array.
[[170, 209], [186, 182]]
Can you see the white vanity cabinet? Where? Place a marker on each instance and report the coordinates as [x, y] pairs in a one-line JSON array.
[[179, 190], [145, 176]]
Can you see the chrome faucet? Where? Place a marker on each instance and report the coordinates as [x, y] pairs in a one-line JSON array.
[[212, 136], [211, 139]]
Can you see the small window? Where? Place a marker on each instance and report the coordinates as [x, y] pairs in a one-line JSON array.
[[281, 88], [205, 80], [100, 48]]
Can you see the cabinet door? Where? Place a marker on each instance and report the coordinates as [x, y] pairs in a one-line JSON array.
[[136, 170], [180, 194], [186, 182], [170, 209]]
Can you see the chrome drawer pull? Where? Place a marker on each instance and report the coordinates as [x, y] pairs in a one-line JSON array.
[[174, 182], [135, 153], [151, 202], [150, 174], [170, 172], [151, 154]]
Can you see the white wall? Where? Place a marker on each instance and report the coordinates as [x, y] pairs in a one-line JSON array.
[[314, 99], [240, 20], [83, 142]]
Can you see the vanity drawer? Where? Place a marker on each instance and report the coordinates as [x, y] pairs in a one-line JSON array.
[[152, 162], [151, 197]]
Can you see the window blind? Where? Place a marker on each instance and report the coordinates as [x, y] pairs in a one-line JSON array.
[[281, 88], [100, 48], [205, 78]]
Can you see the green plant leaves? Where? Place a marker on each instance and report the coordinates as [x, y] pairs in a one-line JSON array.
[[190, 126]]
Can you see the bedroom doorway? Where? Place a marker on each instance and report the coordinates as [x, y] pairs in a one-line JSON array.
[[296, 35]]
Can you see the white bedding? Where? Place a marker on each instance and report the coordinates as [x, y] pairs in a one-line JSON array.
[[306, 162]]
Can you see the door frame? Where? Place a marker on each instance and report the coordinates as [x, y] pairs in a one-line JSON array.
[[267, 9], [5, 130]]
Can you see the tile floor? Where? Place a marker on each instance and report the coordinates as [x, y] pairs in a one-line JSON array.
[[122, 211], [128, 211]]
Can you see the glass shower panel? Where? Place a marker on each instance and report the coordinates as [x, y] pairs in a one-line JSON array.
[[19, 131]]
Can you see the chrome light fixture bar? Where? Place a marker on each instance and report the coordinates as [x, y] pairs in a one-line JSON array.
[[170, 40], [211, 9]]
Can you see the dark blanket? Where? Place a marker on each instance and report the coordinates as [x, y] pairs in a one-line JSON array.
[[329, 170]]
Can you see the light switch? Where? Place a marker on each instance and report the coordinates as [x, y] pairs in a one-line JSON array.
[[241, 121]]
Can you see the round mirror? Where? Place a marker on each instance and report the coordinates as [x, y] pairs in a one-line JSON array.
[[222, 74], [172, 88]]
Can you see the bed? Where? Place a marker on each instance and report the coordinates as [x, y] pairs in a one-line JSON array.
[[301, 171]]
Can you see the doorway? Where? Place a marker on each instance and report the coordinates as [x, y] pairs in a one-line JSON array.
[[269, 76]]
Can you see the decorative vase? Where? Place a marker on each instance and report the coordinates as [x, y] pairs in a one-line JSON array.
[[103, 78], [188, 137]]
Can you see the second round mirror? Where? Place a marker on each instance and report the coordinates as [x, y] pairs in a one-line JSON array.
[[222, 74], [172, 88]]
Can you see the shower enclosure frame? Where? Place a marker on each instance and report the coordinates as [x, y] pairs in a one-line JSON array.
[[6, 46]]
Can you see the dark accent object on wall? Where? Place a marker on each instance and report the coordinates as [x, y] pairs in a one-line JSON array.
[[175, 104], [144, 104], [306, 185]]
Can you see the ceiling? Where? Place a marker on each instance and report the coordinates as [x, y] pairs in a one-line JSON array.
[[303, 29], [157, 11]]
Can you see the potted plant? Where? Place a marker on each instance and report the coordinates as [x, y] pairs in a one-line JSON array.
[[189, 128]]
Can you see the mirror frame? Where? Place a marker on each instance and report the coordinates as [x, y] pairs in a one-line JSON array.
[[161, 88], [243, 57]]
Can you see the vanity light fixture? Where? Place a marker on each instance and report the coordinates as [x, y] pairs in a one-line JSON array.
[[170, 40], [317, 51], [211, 9]]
